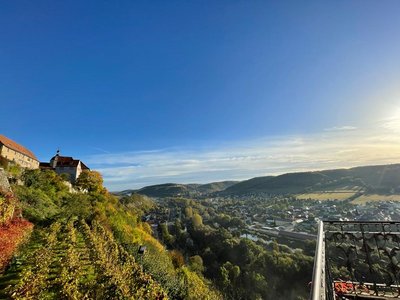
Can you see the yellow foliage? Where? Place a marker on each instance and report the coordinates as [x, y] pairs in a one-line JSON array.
[[147, 238], [197, 287], [146, 227]]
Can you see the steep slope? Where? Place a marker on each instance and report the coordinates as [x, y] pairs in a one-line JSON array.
[[379, 177], [86, 246]]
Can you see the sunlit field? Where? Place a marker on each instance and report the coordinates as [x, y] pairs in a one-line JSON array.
[[323, 196], [374, 197]]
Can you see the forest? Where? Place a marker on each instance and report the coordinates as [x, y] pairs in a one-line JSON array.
[[240, 268]]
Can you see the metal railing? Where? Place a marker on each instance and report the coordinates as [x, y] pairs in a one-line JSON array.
[[357, 260], [318, 280]]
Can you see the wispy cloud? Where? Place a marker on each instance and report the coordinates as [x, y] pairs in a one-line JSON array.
[[392, 124], [246, 159], [100, 150], [341, 128]]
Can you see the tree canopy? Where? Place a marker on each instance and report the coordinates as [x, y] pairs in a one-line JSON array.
[[91, 181]]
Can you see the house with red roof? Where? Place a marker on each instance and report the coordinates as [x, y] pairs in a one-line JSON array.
[[14, 152], [65, 165]]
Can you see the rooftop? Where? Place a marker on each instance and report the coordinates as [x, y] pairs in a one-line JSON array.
[[68, 161], [16, 147]]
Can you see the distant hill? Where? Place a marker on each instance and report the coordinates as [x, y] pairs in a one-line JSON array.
[[166, 190], [373, 179], [382, 179], [176, 189], [215, 186], [286, 183]]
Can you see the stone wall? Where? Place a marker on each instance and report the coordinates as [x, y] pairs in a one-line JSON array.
[[4, 184], [19, 158]]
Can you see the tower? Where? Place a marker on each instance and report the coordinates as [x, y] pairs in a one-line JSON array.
[[54, 159]]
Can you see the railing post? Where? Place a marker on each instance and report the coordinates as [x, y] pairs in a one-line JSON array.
[[318, 281]]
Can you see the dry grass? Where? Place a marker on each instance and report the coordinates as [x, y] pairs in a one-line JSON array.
[[374, 197], [329, 195]]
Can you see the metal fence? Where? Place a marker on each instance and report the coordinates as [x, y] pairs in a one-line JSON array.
[[357, 260]]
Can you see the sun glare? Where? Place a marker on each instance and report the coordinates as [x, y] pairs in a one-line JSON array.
[[392, 122]]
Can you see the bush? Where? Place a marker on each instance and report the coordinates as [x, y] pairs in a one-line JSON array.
[[37, 205], [77, 205]]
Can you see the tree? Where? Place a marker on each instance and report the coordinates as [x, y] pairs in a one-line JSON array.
[[188, 212], [65, 176], [92, 181], [177, 258], [166, 236], [48, 181], [197, 220], [36, 204], [230, 272], [177, 227], [77, 205], [197, 287], [196, 264]]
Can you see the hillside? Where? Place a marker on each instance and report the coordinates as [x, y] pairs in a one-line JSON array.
[[381, 179], [85, 245], [286, 183], [215, 186], [166, 190], [175, 189], [373, 179]]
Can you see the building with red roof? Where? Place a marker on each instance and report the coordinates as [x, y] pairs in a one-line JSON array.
[[65, 165], [14, 152]]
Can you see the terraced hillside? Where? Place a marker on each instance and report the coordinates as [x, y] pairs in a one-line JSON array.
[[76, 261]]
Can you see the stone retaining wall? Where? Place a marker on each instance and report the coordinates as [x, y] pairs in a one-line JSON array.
[[4, 184]]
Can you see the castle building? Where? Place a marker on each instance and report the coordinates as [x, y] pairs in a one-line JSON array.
[[65, 165], [14, 152]]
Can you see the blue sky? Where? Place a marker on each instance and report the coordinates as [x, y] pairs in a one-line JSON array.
[[196, 91]]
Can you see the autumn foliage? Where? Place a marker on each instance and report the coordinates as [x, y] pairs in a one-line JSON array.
[[11, 236], [13, 230]]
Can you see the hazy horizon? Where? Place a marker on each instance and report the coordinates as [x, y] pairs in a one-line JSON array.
[[338, 148]]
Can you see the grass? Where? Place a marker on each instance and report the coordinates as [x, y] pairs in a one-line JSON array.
[[328, 195], [375, 197]]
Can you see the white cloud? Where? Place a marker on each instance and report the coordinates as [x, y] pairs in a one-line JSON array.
[[341, 128], [246, 159]]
